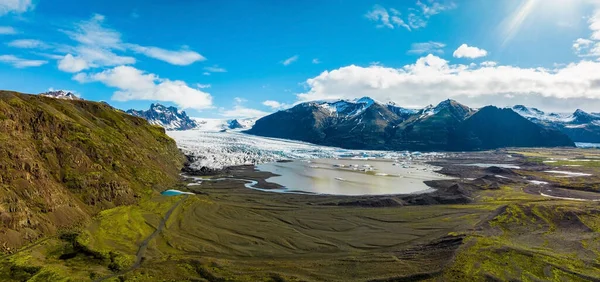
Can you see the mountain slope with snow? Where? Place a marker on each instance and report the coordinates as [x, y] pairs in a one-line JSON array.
[[60, 94], [168, 117], [212, 125], [580, 126], [367, 124]]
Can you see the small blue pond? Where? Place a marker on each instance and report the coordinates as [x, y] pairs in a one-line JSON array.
[[172, 192]]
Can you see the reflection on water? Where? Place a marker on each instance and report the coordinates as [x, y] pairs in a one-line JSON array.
[[351, 176]]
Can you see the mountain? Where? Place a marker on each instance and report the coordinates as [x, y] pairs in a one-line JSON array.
[[355, 123], [62, 161], [207, 124], [580, 126], [431, 127], [60, 94], [168, 117], [491, 128], [368, 124]]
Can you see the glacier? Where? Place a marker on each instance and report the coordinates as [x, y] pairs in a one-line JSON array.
[[222, 149]]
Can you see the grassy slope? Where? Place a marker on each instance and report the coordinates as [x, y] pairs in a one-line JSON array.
[[63, 161]]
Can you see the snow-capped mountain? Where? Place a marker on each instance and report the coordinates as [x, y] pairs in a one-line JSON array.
[[206, 124], [580, 126], [535, 114], [367, 124], [348, 109], [61, 94], [168, 117]]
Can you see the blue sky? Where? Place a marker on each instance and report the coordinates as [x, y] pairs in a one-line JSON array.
[[246, 58]]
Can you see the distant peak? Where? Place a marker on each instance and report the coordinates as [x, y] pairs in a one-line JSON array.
[[365, 100], [446, 103], [61, 94]]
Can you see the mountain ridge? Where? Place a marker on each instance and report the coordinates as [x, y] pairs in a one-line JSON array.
[[367, 124]]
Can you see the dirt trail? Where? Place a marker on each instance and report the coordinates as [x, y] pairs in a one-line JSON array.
[[144, 245]]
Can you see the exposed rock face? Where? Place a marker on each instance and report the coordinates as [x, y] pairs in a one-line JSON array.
[[62, 161], [367, 124], [168, 117]]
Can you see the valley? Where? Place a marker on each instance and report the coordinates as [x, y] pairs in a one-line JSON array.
[[467, 229]]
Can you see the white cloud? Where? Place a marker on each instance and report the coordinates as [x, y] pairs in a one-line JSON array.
[[590, 47], [416, 21], [417, 16], [20, 62], [72, 64], [316, 61], [430, 47], [290, 60], [432, 79], [275, 105], [488, 64], [28, 44], [242, 112], [214, 68], [240, 100], [580, 44], [100, 46], [471, 52], [206, 73], [594, 22], [134, 84], [7, 30], [93, 33], [380, 14], [435, 7], [181, 58], [15, 6], [203, 86]]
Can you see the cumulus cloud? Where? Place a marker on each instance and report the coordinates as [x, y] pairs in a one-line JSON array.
[[72, 64], [290, 60], [7, 30], [134, 84], [181, 58], [471, 52], [430, 47], [202, 86], [432, 79], [28, 44], [20, 62], [316, 61], [15, 6]]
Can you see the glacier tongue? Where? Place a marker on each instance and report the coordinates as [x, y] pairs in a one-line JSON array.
[[222, 149]]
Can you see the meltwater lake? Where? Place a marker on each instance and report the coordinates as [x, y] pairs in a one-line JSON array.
[[352, 177]]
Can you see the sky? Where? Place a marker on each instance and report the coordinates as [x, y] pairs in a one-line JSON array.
[[248, 58]]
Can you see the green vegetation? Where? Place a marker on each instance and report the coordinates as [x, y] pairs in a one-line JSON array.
[[63, 161]]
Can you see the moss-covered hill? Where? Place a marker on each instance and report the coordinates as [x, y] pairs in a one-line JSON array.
[[62, 161]]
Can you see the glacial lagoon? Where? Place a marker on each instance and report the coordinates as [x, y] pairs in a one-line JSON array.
[[352, 177]]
